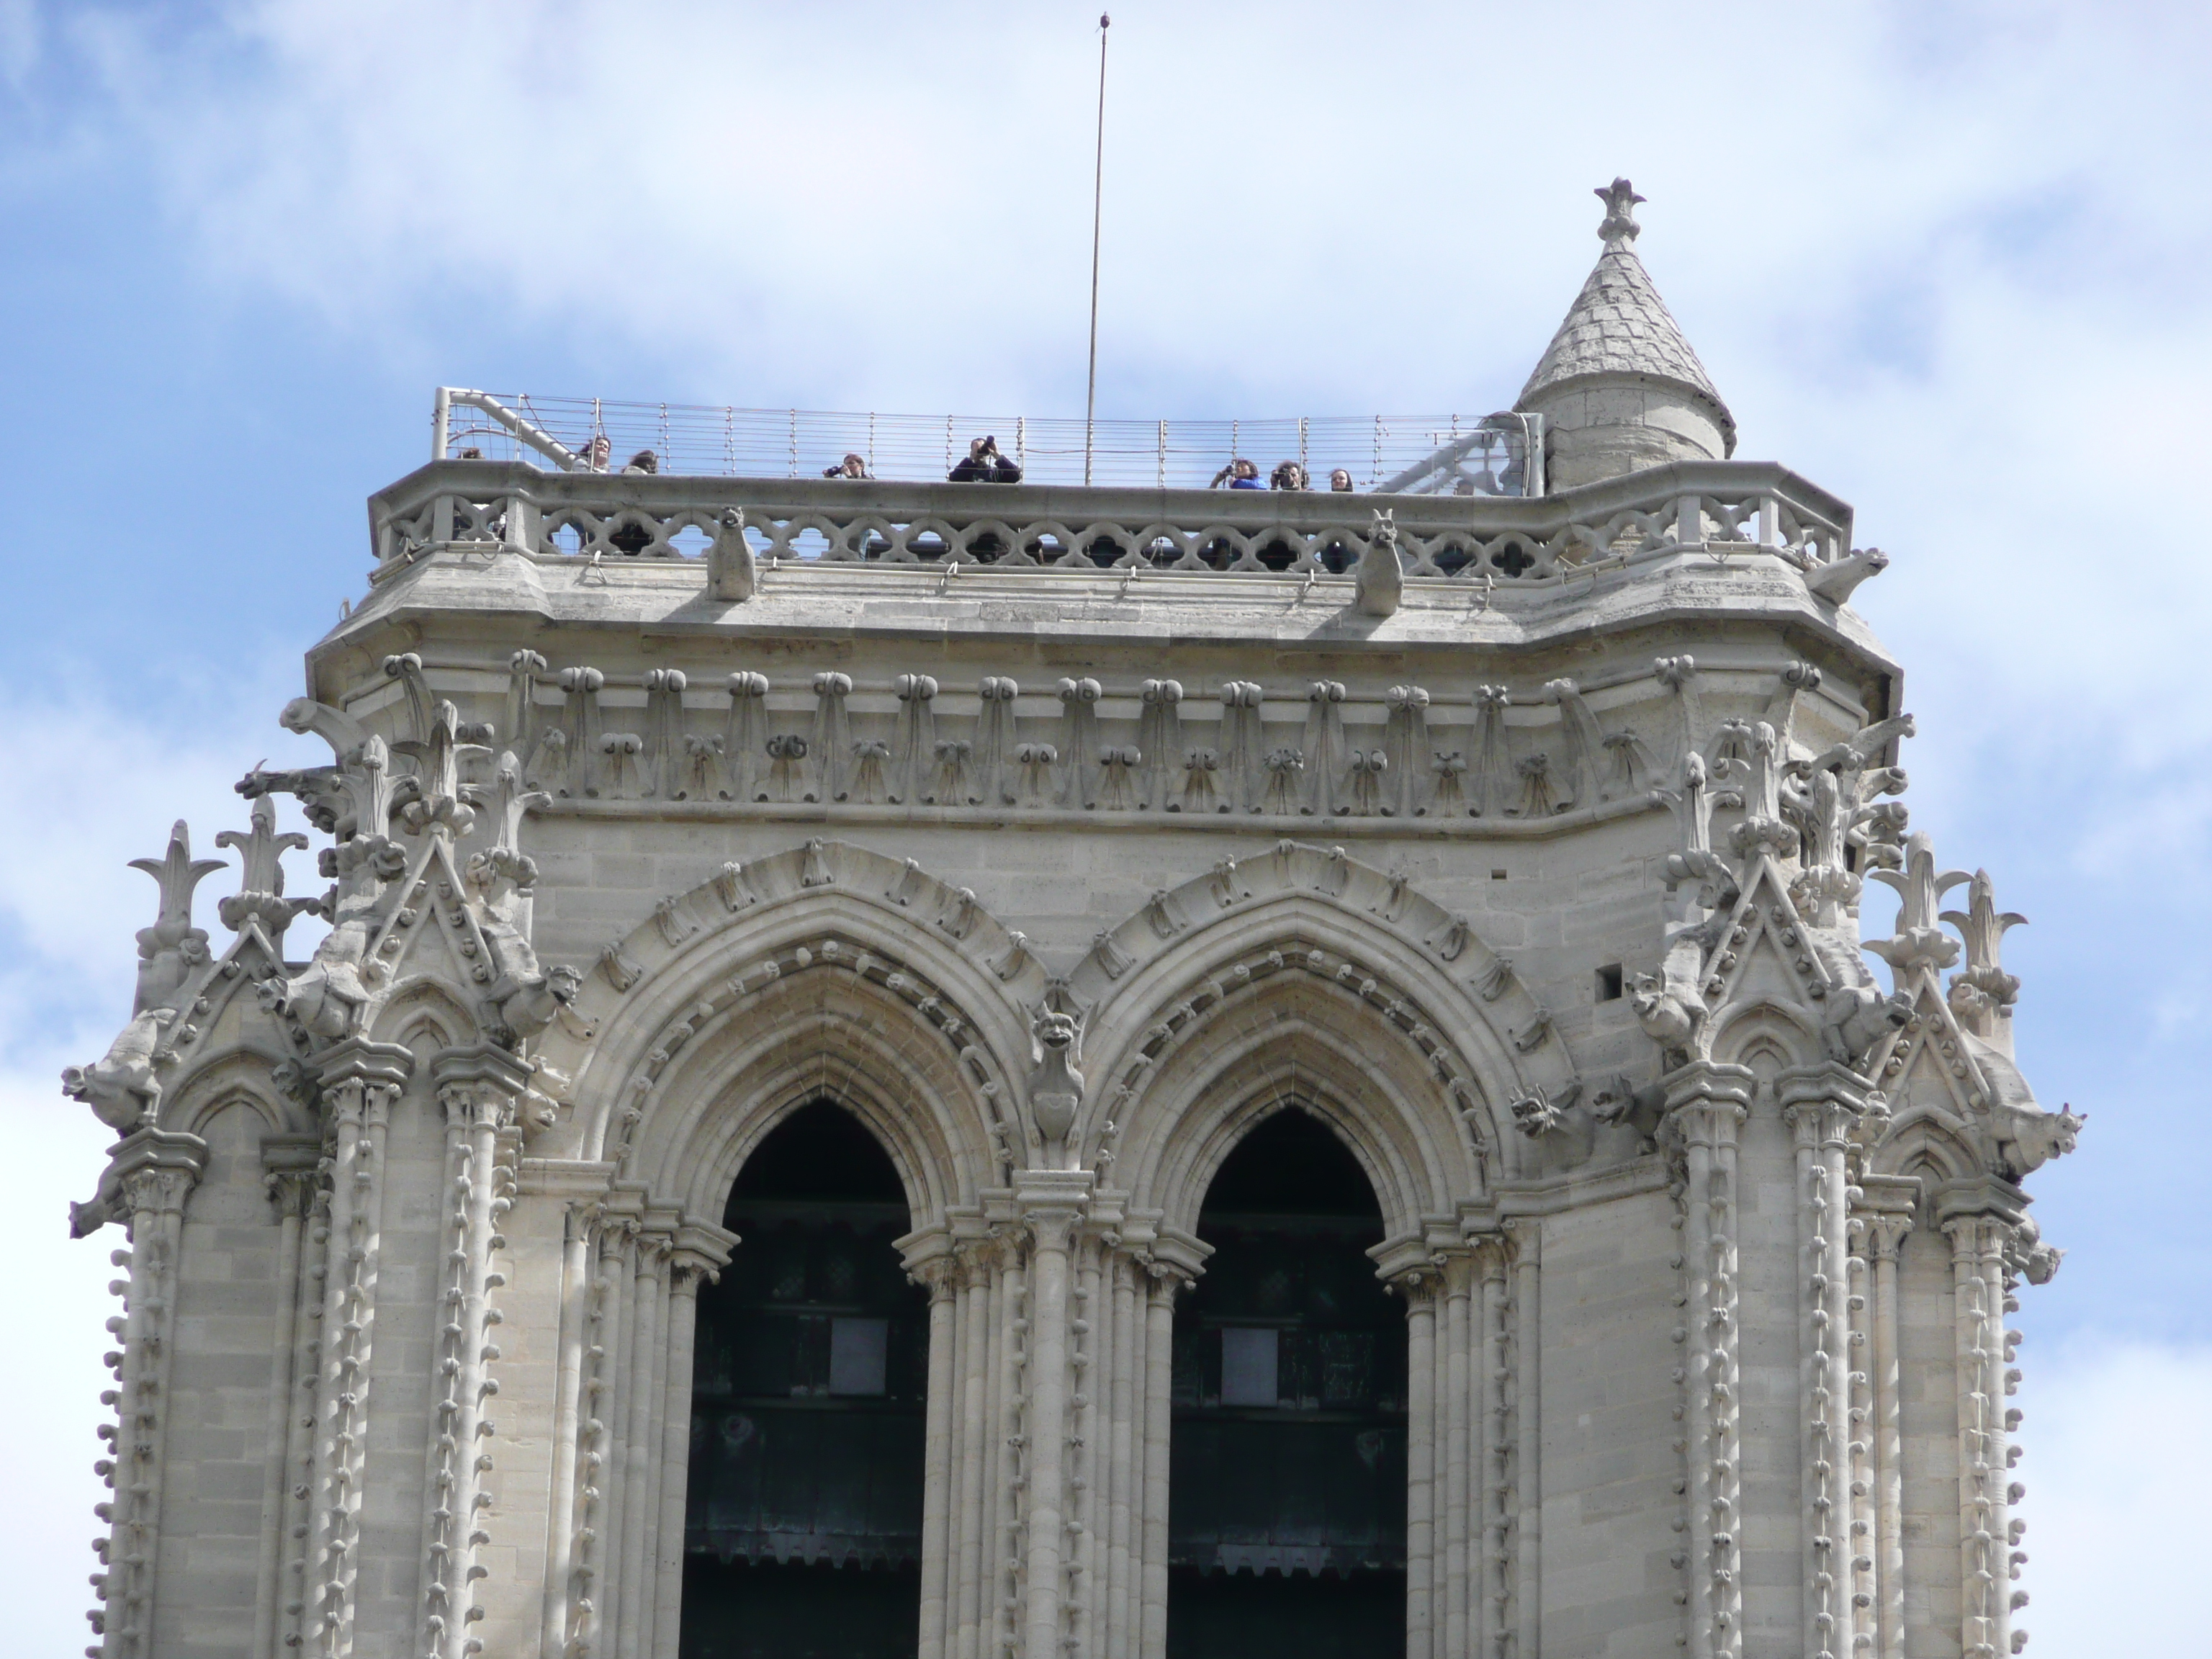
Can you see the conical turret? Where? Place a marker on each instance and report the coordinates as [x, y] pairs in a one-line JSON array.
[[1620, 388]]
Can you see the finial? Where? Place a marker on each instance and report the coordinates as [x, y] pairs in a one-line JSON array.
[[1620, 228]]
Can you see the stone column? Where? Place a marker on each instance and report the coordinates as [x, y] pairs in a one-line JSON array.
[[360, 1081], [972, 1590], [1418, 1286], [664, 1560], [579, 1227], [1123, 1380], [641, 1480], [625, 1311], [1888, 1233], [1490, 1589], [478, 1088], [1455, 1423], [1051, 1203], [292, 1190], [1708, 1105], [940, 1497], [1821, 1105], [1526, 1234], [1166, 1278], [1005, 1532], [1984, 1615], [154, 1170]]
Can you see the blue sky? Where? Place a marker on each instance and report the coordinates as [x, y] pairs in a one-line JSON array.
[[1946, 260]]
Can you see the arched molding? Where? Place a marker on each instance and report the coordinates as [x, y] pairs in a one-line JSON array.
[[1924, 1138], [418, 999], [649, 980], [240, 1076], [822, 1033], [1458, 1004], [1737, 1032], [1241, 1071]]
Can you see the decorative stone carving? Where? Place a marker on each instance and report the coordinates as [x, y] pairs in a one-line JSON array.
[[1406, 744], [172, 949], [1834, 582], [260, 897], [1379, 581], [1079, 705], [833, 737], [1324, 748], [1919, 941], [1490, 785], [122, 1088], [733, 574], [916, 755], [1159, 738], [745, 744], [996, 741], [1983, 994], [1243, 745]]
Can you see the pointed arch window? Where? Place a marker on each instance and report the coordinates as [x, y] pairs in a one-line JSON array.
[[803, 1523]]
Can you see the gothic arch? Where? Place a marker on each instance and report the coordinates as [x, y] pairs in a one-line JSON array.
[[818, 1034], [810, 974], [1241, 1072], [1764, 1024], [239, 1076], [1458, 1057]]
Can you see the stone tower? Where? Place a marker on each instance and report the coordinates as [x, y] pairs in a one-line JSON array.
[[998, 1070]]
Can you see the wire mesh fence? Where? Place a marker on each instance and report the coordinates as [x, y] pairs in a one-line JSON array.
[[792, 443]]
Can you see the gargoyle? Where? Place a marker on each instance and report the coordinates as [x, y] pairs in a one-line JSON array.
[[1624, 1103], [528, 1002], [1831, 583], [1854, 1017], [1380, 580], [733, 574], [2026, 1139], [121, 1088], [1671, 1012], [1056, 1086]]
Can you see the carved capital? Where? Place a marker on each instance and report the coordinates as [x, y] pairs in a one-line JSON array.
[[482, 1085], [152, 1172], [1886, 1234], [1708, 1102]]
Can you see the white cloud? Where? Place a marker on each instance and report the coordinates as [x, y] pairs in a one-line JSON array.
[[2120, 1450]]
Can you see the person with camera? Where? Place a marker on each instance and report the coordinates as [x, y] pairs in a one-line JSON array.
[[985, 465]]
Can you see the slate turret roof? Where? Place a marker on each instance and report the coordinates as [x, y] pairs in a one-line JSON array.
[[1619, 325]]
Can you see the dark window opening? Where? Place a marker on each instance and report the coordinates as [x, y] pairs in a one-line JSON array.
[[1286, 1514], [1498, 875], [803, 1521], [1609, 983]]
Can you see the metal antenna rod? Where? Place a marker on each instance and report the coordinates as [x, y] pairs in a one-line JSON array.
[[1097, 195]]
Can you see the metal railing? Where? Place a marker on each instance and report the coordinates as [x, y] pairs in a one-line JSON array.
[[1445, 454], [1713, 506]]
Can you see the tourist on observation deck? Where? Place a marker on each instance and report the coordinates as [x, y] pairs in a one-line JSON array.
[[853, 466], [644, 461], [1289, 475], [1340, 482], [1239, 474], [595, 457], [985, 465]]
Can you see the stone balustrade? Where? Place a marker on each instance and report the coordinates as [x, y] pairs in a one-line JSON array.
[[1718, 507]]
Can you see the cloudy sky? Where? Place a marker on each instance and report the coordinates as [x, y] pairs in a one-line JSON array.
[[1947, 259]]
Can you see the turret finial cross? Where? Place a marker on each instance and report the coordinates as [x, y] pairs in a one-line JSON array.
[[1620, 228]]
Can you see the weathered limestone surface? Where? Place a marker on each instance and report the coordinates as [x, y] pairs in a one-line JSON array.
[[1061, 836]]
